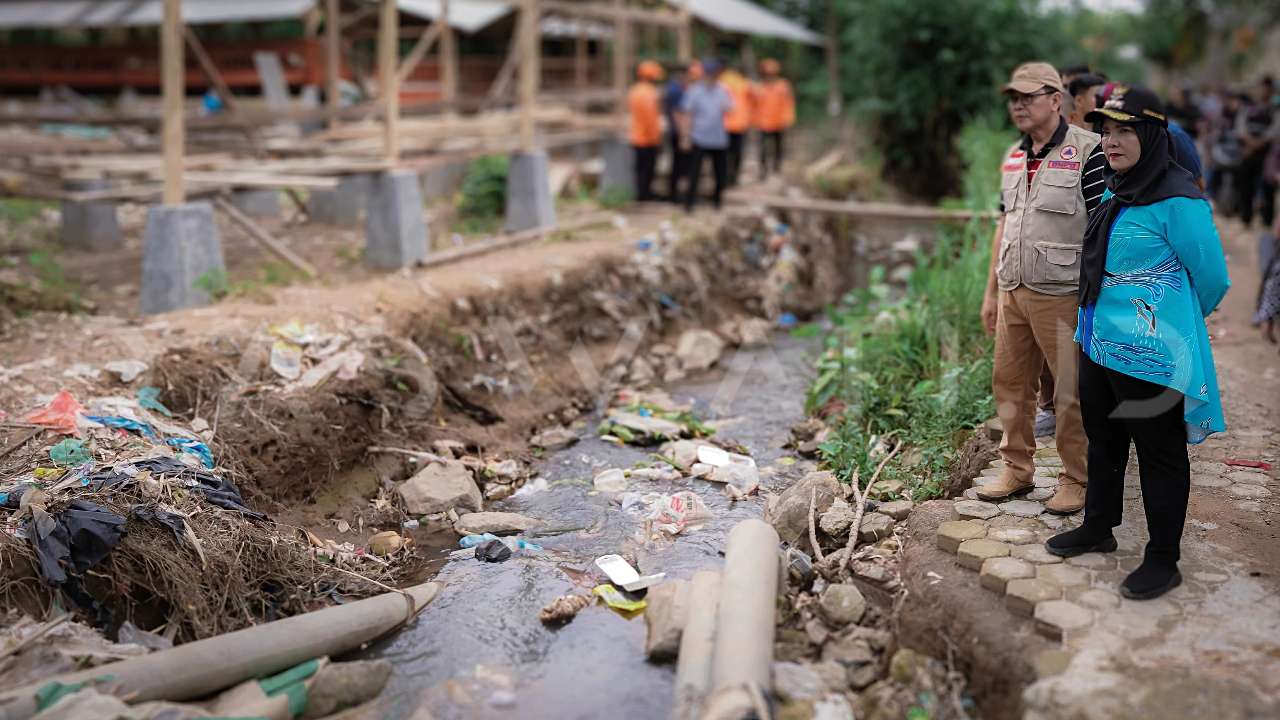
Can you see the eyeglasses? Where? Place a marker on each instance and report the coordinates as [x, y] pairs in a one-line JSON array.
[[1017, 98]]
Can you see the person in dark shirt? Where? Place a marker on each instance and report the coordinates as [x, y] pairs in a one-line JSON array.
[[1183, 110], [672, 96], [1257, 128]]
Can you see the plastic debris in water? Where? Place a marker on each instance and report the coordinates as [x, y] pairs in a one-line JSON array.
[[564, 608], [614, 598]]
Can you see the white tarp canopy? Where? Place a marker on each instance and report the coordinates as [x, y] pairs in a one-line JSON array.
[[467, 16], [747, 18], [126, 13]]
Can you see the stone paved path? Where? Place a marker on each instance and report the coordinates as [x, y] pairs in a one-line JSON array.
[[1210, 648]]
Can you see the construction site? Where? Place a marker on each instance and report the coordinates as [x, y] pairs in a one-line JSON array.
[[369, 359]]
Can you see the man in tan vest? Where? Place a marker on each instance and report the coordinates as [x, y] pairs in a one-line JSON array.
[[1050, 181]]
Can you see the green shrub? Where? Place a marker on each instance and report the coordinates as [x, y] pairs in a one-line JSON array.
[[484, 190]]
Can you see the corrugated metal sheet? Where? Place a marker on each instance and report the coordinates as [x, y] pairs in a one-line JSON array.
[[741, 16], [468, 16], [111, 13]]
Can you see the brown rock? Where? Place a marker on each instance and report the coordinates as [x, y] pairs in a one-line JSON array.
[[440, 487], [789, 512]]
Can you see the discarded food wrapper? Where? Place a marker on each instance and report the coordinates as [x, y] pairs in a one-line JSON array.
[[732, 468], [673, 514], [564, 608], [616, 600], [623, 575]]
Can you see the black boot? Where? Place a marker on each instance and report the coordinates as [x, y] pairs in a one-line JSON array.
[[1152, 579], [1083, 539]]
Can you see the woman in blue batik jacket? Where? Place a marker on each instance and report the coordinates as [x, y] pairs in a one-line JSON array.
[[1152, 270]]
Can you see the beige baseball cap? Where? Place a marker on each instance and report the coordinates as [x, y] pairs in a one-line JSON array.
[[1032, 77]]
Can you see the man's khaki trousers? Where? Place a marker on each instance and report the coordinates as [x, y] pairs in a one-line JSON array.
[[1031, 328]]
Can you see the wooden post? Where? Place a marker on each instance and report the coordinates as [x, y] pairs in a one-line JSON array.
[[621, 57], [448, 59], [580, 50], [388, 80], [834, 101], [332, 58], [174, 87], [684, 37], [530, 71], [418, 52]]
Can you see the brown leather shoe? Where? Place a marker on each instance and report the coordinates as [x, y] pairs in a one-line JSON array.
[[1004, 488], [1067, 500]]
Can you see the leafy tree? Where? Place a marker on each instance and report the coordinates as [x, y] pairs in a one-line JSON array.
[[920, 70]]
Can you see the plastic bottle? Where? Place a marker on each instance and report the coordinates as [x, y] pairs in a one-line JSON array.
[[471, 541]]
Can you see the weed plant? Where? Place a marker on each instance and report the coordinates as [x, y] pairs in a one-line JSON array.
[[914, 367]]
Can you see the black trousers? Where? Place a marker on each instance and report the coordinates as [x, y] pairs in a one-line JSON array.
[[1251, 181], [735, 157], [1117, 408], [767, 139], [719, 165], [679, 167], [646, 159]]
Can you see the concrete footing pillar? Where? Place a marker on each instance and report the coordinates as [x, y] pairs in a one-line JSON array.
[[529, 202], [619, 168], [89, 225], [181, 258], [395, 222], [257, 202], [342, 206], [443, 180]]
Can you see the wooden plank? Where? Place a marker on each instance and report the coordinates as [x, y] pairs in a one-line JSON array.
[[419, 51], [332, 59], [879, 211], [171, 76], [448, 59], [621, 60], [502, 81], [506, 241], [220, 85], [580, 49], [256, 232], [262, 180], [530, 70], [388, 84]]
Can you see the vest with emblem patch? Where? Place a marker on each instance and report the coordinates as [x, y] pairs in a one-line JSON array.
[[1044, 224]]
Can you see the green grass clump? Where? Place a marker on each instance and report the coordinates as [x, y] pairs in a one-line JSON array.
[[915, 368]]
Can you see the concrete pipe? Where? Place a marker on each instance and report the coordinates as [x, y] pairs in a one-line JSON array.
[[697, 645], [742, 666], [201, 668]]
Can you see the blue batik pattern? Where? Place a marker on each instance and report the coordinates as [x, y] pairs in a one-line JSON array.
[[1165, 272]]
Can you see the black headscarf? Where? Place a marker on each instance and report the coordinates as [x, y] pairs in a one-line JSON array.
[[1154, 178]]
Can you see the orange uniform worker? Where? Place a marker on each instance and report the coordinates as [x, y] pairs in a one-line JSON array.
[[738, 120], [645, 105], [775, 112]]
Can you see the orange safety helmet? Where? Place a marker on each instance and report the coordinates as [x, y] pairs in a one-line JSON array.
[[769, 66], [649, 70]]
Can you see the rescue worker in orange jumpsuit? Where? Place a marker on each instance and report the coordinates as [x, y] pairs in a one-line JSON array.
[[645, 105], [775, 113], [738, 120]]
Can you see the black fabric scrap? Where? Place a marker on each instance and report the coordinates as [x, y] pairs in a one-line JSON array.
[[216, 489], [150, 513], [76, 539], [493, 551]]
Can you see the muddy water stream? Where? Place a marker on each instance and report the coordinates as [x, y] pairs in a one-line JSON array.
[[479, 650]]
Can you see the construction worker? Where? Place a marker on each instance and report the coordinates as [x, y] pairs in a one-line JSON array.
[[738, 121], [1050, 184], [775, 113], [645, 106]]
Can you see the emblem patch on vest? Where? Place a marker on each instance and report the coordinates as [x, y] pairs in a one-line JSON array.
[[1064, 164], [1069, 151]]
